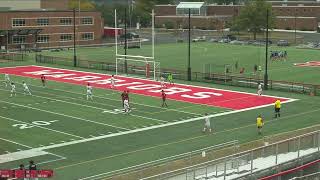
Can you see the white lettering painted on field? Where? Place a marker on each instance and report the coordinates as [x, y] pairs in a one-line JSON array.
[[44, 72], [83, 78], [172, 90], [201, 95], [145, 87], [128, 84], [105, 81], [60, 75]]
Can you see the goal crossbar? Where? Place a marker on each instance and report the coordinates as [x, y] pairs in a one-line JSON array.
[[134, 56]]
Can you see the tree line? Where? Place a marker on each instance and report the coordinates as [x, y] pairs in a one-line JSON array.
[[252, 17]]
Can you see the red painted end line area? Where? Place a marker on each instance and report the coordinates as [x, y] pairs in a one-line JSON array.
[[180, 92]]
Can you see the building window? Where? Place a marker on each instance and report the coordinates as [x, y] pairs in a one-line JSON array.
[[87, 36], [65, 37], [43, 22], [66, 21], [18, 39], [18, 22], [43, 38], [87, 20]]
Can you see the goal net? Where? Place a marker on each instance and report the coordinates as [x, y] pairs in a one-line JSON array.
[[138, 65]]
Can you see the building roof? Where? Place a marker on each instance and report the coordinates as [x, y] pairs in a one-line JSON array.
[[190, 5]]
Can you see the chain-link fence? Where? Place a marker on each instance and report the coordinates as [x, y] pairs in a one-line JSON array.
[[224, 78], [254, 164]]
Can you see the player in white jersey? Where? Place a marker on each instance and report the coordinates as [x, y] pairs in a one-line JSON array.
[[13, 90], [162, 83], [207, 125], [89, 92], [7, 80], [112, 81], [260, 89], [126, 106], [26, 89]]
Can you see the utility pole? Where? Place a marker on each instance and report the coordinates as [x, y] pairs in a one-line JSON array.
[[125, 42], [189, 47], [74, 39], [266, 65], [295, 27]]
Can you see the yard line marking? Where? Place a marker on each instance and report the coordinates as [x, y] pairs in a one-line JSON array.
[[15, 120], [176, 110], [105, 110], [148, 118], [159, 126], [175, 142], [15, 143], [60, 114]]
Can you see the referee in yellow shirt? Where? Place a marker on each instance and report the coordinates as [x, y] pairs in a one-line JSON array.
[[259, 124], [277, 106]]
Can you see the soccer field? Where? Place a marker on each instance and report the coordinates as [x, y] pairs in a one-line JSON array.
[[79, 139], [174, 56]]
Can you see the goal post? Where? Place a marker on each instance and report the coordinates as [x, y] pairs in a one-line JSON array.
[[138, 65]]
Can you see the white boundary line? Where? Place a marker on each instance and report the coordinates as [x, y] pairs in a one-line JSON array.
[[104, 110], [156, 81], [112, 94], [10, 119], [60, 114], [145, 129], [13, 142], [31, 148]]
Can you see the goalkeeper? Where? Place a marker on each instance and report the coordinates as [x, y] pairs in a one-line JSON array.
[[170, 78]]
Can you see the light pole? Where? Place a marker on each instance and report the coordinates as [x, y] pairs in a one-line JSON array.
[[267, 43], [74, 39], [189, 46]]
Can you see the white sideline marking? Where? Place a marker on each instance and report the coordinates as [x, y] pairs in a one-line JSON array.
[[25, 154], [60, 114], [148, 118], [115, 111], [10, 119], [149, 128], [109, 99], [156, 81], [16, 143], [54, 100], [21, 155]]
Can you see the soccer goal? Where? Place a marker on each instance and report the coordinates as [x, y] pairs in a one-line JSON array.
[[136, 64]]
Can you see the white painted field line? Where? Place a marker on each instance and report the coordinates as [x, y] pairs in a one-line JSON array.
[[105, 110], [146, 105], [156, 81], [13, 142], [10, 119], [148, 118], [148, 128], [60, 114]]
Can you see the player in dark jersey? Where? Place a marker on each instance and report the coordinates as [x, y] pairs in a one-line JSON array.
[[164, 96], [43, 80], [32, 165], [123, 97]]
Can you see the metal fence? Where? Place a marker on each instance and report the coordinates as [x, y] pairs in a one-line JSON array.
[[12, 56], [227, 79], [253, 164], [168, 163]]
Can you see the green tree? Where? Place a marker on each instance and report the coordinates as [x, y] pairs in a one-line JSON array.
[[84, 4], [253, 17]]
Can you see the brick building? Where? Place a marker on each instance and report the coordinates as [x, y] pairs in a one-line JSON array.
[[51, 26], [288, 16]]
